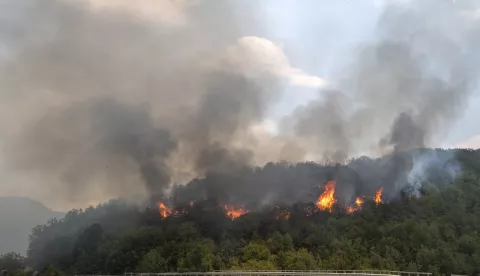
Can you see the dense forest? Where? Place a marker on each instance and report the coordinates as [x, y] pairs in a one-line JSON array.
[[435, 228]]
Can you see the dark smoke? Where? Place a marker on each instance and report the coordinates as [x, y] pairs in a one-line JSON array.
[[99, 103], [405, 134], [107, 131], [131, 132], [123, 100]]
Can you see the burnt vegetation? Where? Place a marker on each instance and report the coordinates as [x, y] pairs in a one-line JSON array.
[[435, 228]]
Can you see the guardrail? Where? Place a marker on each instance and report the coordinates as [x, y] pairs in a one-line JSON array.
[[284, 273]]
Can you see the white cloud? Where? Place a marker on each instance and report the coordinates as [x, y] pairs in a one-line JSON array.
[[259, 56], [173, 12]]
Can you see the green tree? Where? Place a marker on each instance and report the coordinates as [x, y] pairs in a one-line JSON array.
[[199, 257], [297, 260], [152, 262], [256, 251], [12, 262], [255, 265], [436, 230], [49, 270]]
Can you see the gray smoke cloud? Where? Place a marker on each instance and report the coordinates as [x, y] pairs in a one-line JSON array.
[[99, 102], [422, 64], [105, 99], [403, 91]]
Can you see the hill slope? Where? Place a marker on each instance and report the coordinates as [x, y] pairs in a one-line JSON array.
[[18, 216], [434, 229]]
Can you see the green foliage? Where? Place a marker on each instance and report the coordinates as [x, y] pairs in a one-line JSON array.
[[197, 257], [152, 262], [278, 242], [297, 260], [12, 262], [255, 265], [256, 251], [437, 232], [49, 270]]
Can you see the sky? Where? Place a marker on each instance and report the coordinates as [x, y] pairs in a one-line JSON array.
[[339, 27], [343, 27], [307, 44]]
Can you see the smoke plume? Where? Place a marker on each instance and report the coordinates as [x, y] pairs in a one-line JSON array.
[[101, 99]]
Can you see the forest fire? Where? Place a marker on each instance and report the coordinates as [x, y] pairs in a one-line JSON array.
[[357, 206], [325, 202], [233, 212], [281, 214], [327, 198], [285, 215], [378, 196], [164, 210]]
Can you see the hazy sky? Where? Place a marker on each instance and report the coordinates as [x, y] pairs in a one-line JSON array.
[[307, 44], [341, 27], [317, 36]]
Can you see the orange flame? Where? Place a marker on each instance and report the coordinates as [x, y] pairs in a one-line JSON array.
[[164, 210], [284, 215], [357, 206], [327, 198], [233, 212], [359, 201], [378, 196]]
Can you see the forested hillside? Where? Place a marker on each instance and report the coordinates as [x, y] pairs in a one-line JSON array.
[[435, 229]]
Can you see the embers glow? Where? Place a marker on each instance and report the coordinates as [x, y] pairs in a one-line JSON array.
[[310, 210], [164, 210], [283, 215], [233, 212], [357, 206], [327, 198], [378, 196]]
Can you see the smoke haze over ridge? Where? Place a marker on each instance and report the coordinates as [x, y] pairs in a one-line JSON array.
[[99, 99]]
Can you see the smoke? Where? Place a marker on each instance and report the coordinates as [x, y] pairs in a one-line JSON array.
[[105, 99], [102, 99], [414, 80], [95, 137]]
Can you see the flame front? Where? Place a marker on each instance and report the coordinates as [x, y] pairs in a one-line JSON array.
[[378, 196], [327, 198], [233, 212], [164, 210]]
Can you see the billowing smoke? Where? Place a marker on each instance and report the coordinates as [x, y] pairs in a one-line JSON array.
[[403, 91], [101, 99]]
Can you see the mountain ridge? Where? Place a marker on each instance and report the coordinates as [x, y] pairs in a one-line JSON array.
[[18, 215]]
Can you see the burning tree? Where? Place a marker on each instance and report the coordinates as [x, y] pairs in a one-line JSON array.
[[327, 199]]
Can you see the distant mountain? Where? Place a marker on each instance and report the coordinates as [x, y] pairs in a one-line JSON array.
[[17, 218]]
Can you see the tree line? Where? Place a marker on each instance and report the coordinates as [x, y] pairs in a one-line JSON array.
[[437, 231]]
